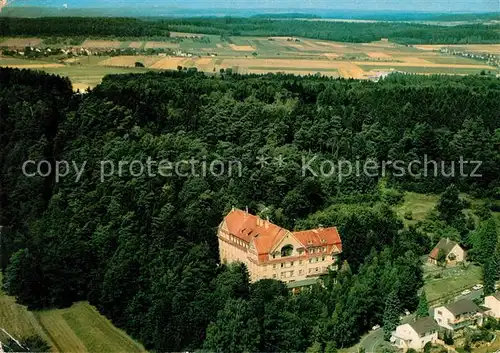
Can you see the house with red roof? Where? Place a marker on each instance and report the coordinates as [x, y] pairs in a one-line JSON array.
[[453, 252], [269, 251]]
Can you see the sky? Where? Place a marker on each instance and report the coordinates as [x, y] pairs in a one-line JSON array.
[[379, 5]]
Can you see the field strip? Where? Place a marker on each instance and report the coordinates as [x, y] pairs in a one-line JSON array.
[[160, 45], [21, 42], [242, 47], [378, 55], [330, 56], [457, 66], [167, 63], [130, 60], [101, 44], [350, 70], [33, 66], [59, 331], [415, 60], [478, 48]]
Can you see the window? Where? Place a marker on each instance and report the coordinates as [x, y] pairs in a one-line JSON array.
[[291, 273], [274, 276], [291, 263], [286, 250], [300, 272], [440, 312], [310, 260], [323, 258], [317, 269], [282, 265], [274, 266], [300, 262]]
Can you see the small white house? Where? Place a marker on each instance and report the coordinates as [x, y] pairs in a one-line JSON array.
[[415, 334], [455, 316], [492, 302]]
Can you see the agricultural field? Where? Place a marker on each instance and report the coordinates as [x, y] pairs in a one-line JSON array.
[[79, 328], [253, 55]]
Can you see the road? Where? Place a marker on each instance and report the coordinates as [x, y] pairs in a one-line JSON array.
[[475, 294], [376, 338]]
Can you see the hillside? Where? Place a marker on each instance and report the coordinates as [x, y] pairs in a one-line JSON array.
[[79, 328]]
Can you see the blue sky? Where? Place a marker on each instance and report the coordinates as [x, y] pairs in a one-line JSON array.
[[400, 5]]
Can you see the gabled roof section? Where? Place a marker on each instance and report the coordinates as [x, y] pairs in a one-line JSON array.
[[424, 325], [266, 235], [446, 244], [463, 306], [248, 227], [320, 237]]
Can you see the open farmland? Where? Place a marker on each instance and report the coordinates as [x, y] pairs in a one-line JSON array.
[[20, 42], [79, 328], [473, 48], [256, 55], [101, 44]]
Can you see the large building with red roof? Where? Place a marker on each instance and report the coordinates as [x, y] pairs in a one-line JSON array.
[[270, 251]]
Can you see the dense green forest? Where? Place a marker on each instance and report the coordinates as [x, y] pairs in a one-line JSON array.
[[404, 33], [143, 248]]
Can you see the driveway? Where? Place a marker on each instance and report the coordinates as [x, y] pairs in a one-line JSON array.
[[374, 339]]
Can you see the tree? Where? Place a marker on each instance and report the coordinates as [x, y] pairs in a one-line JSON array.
[[315, 348], [330, 347], [423, 306], [235, 330], [490, 275], [448, 337], [441, 258], [486, 240], [450, 205], [392, 312]]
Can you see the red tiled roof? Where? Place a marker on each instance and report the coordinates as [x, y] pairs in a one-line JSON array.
[[434, 253], [265, 234], [320, 237]]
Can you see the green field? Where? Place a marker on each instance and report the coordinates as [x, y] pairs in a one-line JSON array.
[[425, 70], [90, 75], [452, 59], [452, 281], [17, 61], [419, 205], [79, 329]]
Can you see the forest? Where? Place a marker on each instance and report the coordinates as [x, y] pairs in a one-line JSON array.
[[143, 249], [399, 32]]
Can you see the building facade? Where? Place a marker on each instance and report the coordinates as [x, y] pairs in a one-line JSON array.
[[416, 334], [270, 251], [458, 315], [492, 302]]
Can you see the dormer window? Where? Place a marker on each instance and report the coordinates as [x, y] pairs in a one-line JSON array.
[[287, 250]]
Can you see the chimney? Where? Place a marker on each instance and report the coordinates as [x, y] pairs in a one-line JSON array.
[[267, 222], [447, 240], [320, 226]]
